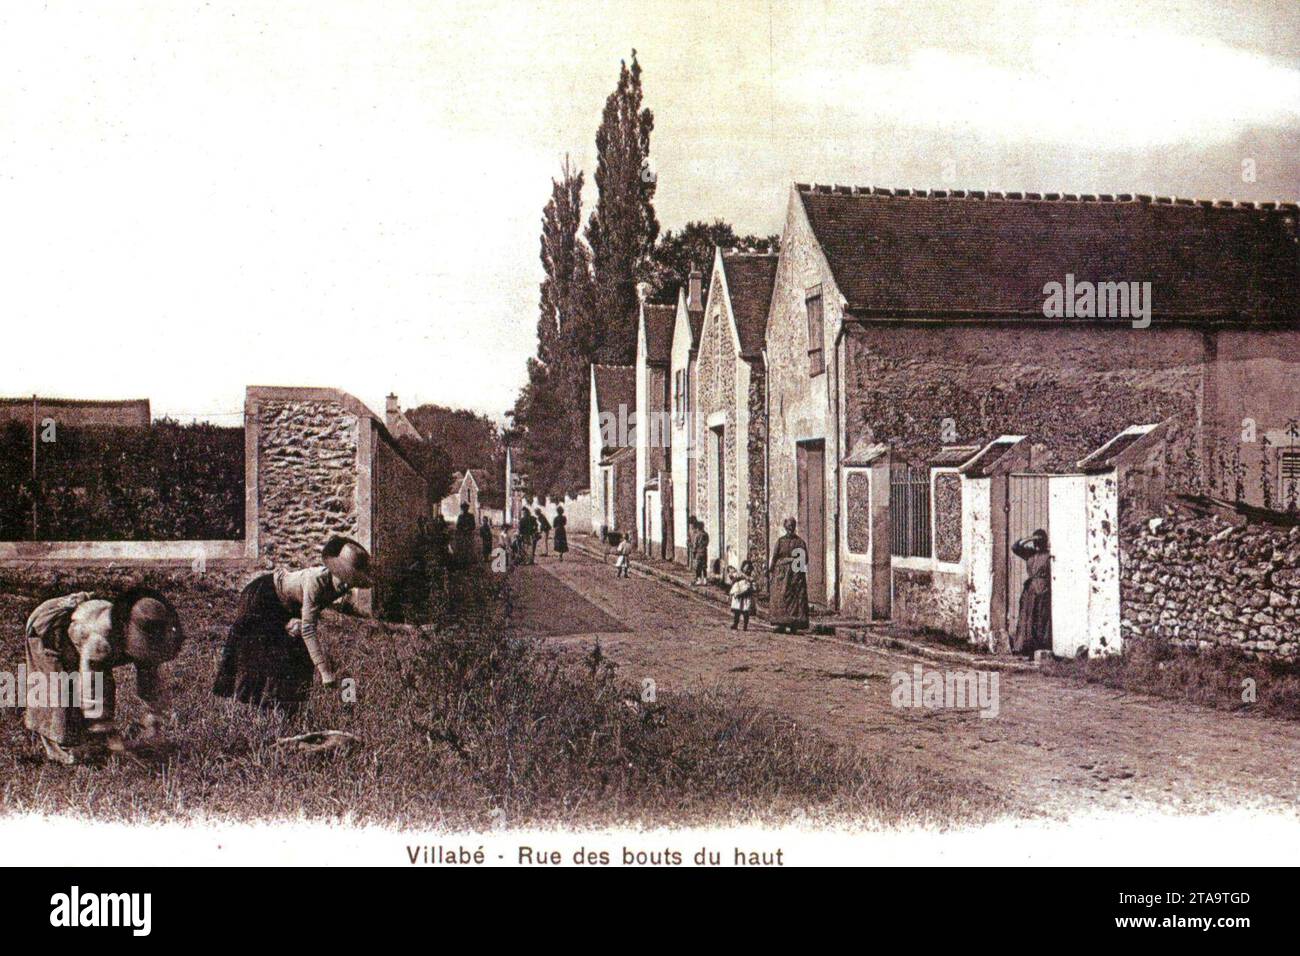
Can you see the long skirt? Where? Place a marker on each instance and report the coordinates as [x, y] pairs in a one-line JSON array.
[[561, 539], [262, 663], [1034, 625], [789, 601]]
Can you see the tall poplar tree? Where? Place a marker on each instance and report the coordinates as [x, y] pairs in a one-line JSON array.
[[623, 228]]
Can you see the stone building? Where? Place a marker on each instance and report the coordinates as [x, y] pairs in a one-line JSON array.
[[927, 390], [653, 432], [611, 430], [465, 487], [731, 417], [688, 320]]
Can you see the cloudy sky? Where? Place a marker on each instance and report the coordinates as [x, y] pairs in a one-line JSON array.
[[199, 196]]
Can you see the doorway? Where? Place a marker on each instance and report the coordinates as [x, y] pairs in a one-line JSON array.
[[811, 513], [1027, 506], [718, 506]]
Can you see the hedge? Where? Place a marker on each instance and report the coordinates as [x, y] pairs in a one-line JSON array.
[[168, 482]]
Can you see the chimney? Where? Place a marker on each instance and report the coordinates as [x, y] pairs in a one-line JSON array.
[[391, 411], [693, 291]]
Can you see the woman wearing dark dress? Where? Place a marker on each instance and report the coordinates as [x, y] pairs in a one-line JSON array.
[[272, 649], [788, 581], [560, 532], [485, 537], [1034, 625]]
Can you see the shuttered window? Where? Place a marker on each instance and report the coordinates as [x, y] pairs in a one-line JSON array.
[[816, 334]]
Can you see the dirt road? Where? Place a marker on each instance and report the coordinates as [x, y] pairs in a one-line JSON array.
[[1053, 746]]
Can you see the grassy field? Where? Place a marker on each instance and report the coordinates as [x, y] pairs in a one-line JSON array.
[[467, 726], [1211, 678]]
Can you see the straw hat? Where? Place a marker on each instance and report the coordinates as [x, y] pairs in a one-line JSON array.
[[150, 627], [348, 561]]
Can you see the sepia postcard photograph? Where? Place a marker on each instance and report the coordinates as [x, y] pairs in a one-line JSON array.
[[656, 434]]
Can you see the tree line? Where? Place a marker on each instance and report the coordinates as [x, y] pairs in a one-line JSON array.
[[587, 310]]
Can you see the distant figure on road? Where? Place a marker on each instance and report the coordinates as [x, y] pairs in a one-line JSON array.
[[527, 535], [440, 540], [1034, 625], [701, 554], [561, 532], [742, 594], [465, 547], [90, 637], [485, 537], [543, 532], [621, 561], [788, 577], [272, 649]]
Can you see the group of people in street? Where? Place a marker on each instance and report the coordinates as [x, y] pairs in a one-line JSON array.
[[787, 576], [469, 543], [536, 529]]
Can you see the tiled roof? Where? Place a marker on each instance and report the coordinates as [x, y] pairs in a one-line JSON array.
[[750, 277], [659, 321], [941, 251], [615, 386]]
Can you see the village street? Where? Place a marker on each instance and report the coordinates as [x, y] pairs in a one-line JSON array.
[[1054, 746]]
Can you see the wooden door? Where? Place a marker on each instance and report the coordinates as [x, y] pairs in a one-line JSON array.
[[812, 514], [1027, 506]]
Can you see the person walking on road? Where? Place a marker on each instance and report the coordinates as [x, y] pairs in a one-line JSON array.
[[561, 528], [543, 532]]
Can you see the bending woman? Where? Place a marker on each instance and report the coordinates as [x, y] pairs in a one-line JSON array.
[[273, 646]]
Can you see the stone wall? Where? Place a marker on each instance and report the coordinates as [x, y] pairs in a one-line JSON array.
[[321, 463], [1067, 389], [1203, 583], [306, 486], [756, 487], [800, 406]]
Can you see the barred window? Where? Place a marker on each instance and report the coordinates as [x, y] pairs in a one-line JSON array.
[[909, 511]]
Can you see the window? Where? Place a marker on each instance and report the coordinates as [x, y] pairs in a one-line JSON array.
[[816, 336], [1288, 477], [679, 395], [909, 511]]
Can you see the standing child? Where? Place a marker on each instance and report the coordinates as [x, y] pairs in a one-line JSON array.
[[621, 561], [742, 594]]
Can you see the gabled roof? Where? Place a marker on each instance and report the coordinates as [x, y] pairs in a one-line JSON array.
[[750, 277], [659, 320], [615, 385], [912, 251]]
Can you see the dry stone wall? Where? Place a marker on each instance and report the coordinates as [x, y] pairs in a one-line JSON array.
[[1203, 583]]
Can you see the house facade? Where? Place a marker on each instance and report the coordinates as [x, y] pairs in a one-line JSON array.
[[688, 321], [930, 402], [611, 434], [653, 432], [465, 486], [731, 412]]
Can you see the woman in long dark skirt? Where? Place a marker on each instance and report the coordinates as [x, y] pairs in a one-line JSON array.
[[560, 531], [1034, 625], [789, 581], [272, 649]]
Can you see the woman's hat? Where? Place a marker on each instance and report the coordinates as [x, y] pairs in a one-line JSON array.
[[348, 561], [149, 625]]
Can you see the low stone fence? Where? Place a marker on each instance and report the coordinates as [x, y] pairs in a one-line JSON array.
[[1204, 583]]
